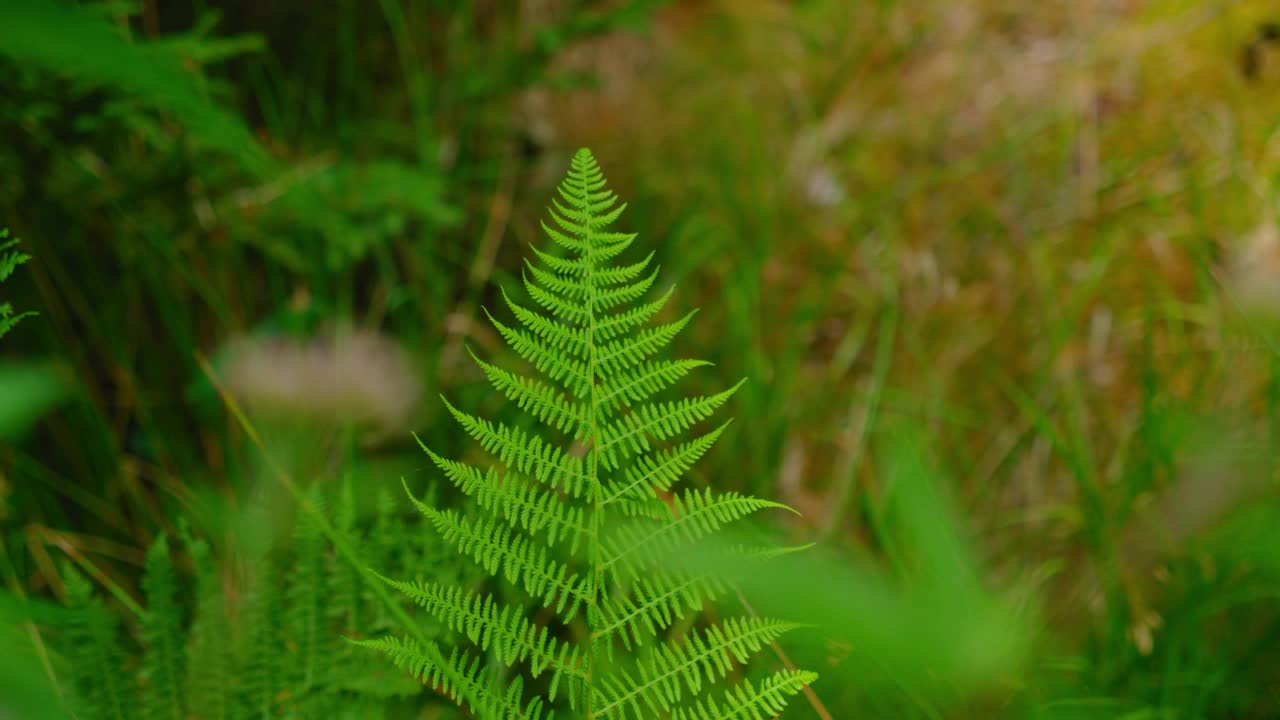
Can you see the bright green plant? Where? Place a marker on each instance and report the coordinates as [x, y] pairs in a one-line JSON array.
[[584, 523], [10, 259]]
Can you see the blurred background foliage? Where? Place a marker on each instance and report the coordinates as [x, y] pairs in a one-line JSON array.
[[1041, 235]]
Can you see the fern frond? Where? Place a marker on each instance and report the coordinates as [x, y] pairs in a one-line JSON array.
[[584, 531], [103, 689], [266, 658], [214, 688], [162, 633], [308, 596]]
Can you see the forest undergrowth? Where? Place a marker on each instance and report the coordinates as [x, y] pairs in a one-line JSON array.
[[1002, 280]]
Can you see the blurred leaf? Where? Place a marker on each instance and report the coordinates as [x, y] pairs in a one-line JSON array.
[[25, 691], [27, 392], [936, 628], [76, 41], [353, 207]]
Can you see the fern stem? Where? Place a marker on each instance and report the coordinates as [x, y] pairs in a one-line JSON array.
[[597, 489]]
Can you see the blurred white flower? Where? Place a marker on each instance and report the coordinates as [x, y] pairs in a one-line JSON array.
[[358, 378]]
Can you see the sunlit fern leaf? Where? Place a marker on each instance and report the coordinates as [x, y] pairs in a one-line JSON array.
[[576, 513]]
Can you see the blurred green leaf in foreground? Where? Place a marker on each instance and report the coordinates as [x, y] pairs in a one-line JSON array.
[[931, 628]]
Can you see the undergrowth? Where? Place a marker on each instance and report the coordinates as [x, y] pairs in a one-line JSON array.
[[1035, 235], [259, 634]]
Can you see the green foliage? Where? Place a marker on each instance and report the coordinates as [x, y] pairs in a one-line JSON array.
[[305, 617], [27, 392], [352, 208], [25, 688], [164, 697], [10, 259], [103, 689], [86, 47], [582, 523], [903, 624], [264, 639], [1041, 282]]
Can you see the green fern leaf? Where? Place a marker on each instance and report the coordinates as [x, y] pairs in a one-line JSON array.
[[265, 659], [576, 515], [163, 635], [212, 690], [102, 690]]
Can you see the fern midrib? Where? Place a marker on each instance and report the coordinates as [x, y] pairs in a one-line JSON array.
[[597, 488]]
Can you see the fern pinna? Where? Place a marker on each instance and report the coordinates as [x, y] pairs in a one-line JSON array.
[[585, 525]]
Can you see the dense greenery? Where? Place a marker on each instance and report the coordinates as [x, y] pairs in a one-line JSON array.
[[1001, 278]]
